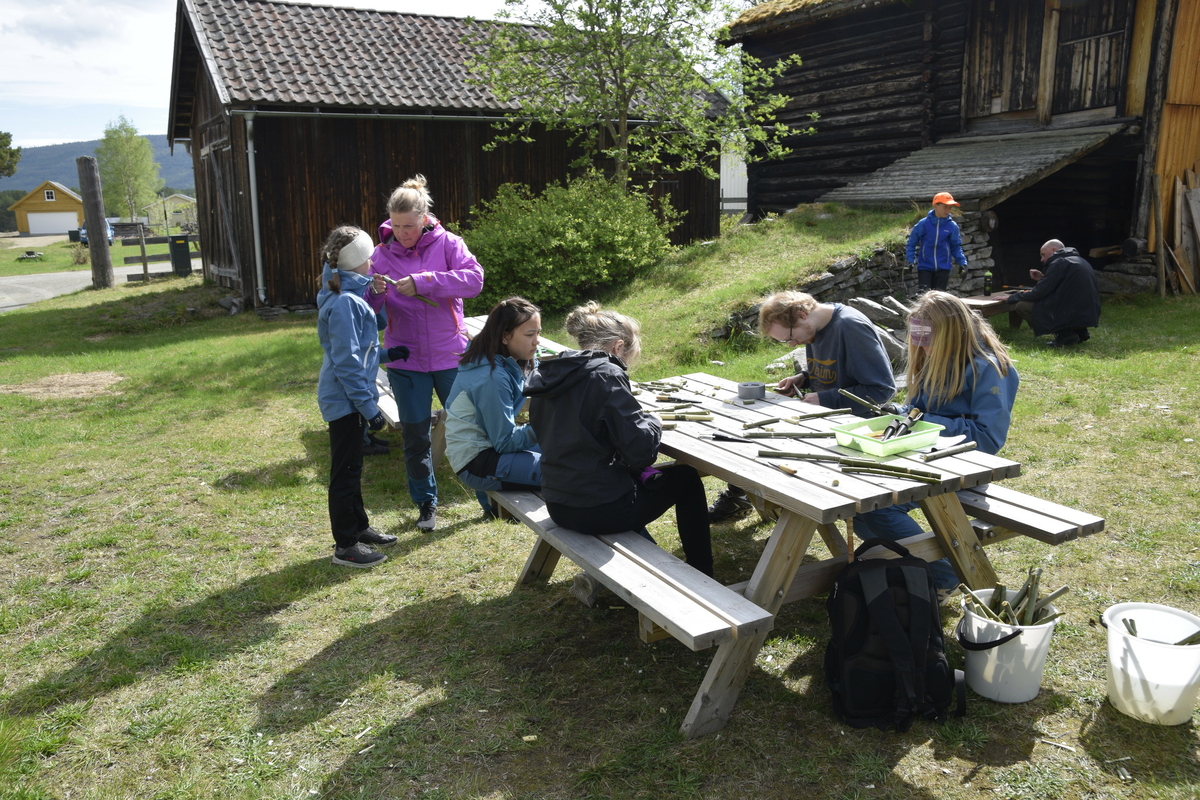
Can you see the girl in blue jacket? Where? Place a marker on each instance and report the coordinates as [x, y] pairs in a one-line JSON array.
[[961, 377], [486, 447], [346, 393], [935, 245]]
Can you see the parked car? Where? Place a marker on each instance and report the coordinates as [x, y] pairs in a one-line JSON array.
[[83, 233]]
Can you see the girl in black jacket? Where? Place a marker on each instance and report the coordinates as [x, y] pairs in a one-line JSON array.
[[598, 446]]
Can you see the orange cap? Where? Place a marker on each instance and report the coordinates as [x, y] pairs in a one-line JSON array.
[[944, 197]]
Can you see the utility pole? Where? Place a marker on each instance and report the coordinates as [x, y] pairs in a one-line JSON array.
[[93, 218]]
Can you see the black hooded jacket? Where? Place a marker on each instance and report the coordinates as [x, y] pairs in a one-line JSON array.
[[594, 436], [1066, 297]]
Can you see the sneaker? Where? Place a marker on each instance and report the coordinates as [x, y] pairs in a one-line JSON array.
[[731, 503], [372, 536], [375, 450], [585, 589], [357, 555], [427, 521]]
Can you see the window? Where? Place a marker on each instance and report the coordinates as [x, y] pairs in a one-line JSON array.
[[49, 195]]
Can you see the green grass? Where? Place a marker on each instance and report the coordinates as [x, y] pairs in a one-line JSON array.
[[58, 257], [170, 625]]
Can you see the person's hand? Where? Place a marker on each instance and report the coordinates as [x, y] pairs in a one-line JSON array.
[[811, 398], [790, 386], [1036, 274], [398, 353], [912, 266], [378, 284], [377, 422], [407, 286]]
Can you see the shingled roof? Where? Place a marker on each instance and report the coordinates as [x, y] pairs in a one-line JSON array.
[[292, 54], [785, 13]]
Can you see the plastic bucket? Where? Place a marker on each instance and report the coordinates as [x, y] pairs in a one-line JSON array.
[[1004, 662], [1148, 677]]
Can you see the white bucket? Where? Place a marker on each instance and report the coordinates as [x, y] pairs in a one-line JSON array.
[[1149, 678], [1010, 672]]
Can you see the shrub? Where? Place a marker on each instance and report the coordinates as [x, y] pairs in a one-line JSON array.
[[79, 253], [566, 244]]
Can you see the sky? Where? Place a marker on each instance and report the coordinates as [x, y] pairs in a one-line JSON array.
[[73, 66]]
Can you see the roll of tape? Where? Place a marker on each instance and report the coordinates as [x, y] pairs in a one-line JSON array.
[[752, 390]]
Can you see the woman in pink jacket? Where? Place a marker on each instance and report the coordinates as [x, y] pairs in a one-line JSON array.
[[430, 272]]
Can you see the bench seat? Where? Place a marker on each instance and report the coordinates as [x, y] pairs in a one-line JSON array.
[[1008, 512], [692, 607]]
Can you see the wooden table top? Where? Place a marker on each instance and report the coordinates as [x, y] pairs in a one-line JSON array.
[[819, 490]]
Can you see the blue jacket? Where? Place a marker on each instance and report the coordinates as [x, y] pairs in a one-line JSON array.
[[935, 243], [481, 411], [347, 330], [982, 409]]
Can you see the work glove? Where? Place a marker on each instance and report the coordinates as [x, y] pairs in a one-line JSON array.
[[912, 266], [397, 353], [891, 408], [377, 422]]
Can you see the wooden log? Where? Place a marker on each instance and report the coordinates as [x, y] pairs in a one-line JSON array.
[[1160, 259], [93, 218], [1133, 247]]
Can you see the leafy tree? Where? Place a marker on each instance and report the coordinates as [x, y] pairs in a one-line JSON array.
[[8, 219], [128, 171], [641, 82], [9, 155]]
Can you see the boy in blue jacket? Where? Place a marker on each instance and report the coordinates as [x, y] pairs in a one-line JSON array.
[[935, 245]]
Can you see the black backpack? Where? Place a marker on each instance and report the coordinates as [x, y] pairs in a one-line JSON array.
[[886, 662]]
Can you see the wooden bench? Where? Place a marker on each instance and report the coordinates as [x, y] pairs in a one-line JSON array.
[[668, 594], [1001, 513]]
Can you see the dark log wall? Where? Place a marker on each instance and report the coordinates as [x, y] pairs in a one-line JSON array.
[[1003, 59], [1092, 56], [885, 82]]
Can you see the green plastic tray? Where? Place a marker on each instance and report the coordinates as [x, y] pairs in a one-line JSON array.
[[923, 434]]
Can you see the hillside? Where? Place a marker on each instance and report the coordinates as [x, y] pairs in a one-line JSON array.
[[56, 162]]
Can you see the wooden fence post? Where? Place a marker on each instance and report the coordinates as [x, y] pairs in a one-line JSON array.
[[93, 218]]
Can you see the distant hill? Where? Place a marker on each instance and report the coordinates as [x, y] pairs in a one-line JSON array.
[[56, 162]]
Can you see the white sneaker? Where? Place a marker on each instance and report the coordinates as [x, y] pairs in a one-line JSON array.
[[427, 521]]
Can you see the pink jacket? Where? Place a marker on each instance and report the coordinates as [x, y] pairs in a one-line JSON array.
[[444, 270]]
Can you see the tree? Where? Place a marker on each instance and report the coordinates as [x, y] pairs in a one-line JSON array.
[[9, 155], [641, 82], [128, 171]]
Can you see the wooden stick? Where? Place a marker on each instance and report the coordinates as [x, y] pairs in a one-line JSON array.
[[1182, 268], [1161, 234], [965, 447], [850, 540], [761, 422]]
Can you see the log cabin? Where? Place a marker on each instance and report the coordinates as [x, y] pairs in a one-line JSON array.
[[300, 118], [1045, 118]]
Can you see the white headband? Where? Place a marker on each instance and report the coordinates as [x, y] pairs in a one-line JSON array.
[[356, 252]]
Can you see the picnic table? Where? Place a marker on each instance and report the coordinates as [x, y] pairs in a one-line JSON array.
[[811, 502], [990, 305]]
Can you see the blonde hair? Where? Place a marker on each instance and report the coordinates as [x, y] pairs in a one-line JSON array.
[[599, 329], [782, 308], [339, 238], [959, 336], [410, 196]]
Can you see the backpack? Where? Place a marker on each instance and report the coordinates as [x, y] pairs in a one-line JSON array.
[[886, 661]]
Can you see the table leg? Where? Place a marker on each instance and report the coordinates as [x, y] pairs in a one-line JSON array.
[[954, 532], [731, 665]]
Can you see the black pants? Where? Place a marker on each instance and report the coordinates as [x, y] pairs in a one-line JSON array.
[[932, 279], [678, 486], [346, 513]]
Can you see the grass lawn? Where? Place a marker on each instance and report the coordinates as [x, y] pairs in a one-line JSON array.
[[172, 627], [58, 257]]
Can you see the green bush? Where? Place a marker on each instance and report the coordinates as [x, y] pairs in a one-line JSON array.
[[565, 245]]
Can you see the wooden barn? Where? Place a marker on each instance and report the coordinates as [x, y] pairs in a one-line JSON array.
[[1045, 118], [51, 208], [303, 117]]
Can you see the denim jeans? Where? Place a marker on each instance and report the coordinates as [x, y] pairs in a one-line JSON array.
[[414, 399], [894, 523], [514, 471]]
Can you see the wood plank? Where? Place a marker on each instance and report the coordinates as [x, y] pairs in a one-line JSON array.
[[730, 667], [1047, 62], [1087, 523], [150, 259], [543, 558], [1192, 201], [953, 531], [1159, 238]]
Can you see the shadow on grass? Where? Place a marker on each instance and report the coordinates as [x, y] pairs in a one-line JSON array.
[[181, 638], [1158, 753]]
